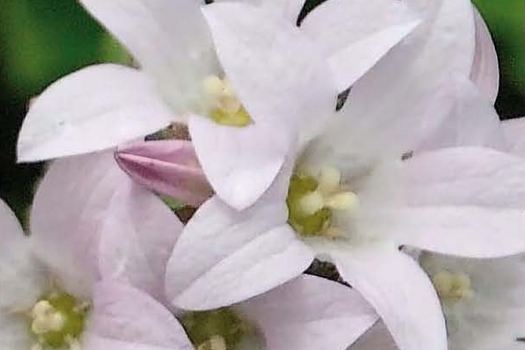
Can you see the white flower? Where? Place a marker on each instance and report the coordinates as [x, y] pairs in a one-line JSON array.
[[271, 76], [400, 169]]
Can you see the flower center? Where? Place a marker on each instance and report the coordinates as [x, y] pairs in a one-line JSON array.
[[452, 287], [312, 201], [224, 106], [220, 329], [58, 320]]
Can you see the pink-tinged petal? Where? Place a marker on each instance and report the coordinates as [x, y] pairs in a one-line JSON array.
[[169, 167], [469, 231], [441, 45], [466, 176], [400, 292], [310, 313], [459, 115], [278, 74], [11, 232], [377, 338], [514, 130], [224, 256], [87, 206], [239, 163], [95, 108], [288, 9], [168, 38], [462, 201], [126, 318], [485, 68], [354, 35]]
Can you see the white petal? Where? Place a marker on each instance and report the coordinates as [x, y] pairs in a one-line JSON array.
[[387, 103], [240, 163], [127, 318], [87, 206], [288, 9], [310, 313], [11, 232], [377, 338], [168, 38], [224, 256], [400, 292], [276, 71], [462, 201], [514, 130], [469, 176], [92, 109], [21, 279], [13, 333], [459, 115], [485, 68], [16, 261], [354, 35], [494, 316]]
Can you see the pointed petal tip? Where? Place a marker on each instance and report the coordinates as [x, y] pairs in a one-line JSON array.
[[169, 167]]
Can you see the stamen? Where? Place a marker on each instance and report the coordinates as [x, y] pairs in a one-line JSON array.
[[329, 180], [225, 108], [311, 202], [342, 201], [216, 342], [57, 320]]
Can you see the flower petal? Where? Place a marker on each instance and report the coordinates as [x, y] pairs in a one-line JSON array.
[[514, 130], [288, 9], [169, 167], [469, 176], [224, 256], [485, 68], [377, 338], [11, 232], [92, 109], [239, 163], [496, 309], [459, 115], [87, 206], [354, 35], [168, 38], [400, 292], [443, 44], [276, 71], [126, 318], [310, 313], [464, 201], [13, 332]]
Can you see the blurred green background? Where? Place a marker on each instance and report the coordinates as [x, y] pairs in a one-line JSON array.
[[42, 40]]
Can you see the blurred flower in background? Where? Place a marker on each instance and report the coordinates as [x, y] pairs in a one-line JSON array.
[[41, 41]]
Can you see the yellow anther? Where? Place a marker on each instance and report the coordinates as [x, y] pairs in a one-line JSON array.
[[213, 85], [216, 342], [311, 202], [223, 105], [342, 201], [46, 318], [329, 180]]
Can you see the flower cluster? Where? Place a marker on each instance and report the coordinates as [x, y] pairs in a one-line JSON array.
[[191, 197]]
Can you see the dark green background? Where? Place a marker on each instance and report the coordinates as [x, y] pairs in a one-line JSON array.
[[42, 40]]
